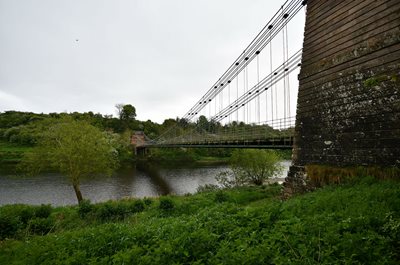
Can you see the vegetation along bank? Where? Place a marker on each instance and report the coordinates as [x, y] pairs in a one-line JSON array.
[[354, 223]]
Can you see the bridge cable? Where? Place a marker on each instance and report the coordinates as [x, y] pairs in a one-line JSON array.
[[272, 91], [288, 79], [258, 94], [276, 75], [284, 74], [257, 44], [264, 38]]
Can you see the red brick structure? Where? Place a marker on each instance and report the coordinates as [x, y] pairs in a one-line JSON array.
[[138, 139]]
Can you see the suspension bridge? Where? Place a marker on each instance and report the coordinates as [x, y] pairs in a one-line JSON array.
[[252, 103], [335, 99]]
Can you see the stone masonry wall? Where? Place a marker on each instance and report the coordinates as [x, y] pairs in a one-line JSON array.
[[348, 109]]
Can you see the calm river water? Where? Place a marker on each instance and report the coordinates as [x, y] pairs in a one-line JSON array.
[[136, 181]]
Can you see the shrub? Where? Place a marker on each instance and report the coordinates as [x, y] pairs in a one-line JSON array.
[[113, 211], [8, 226], [26, 214], [166, 204], [40, 225], [85, 207], [221, 196], [254, 166], [43, 211], [137, 206], [227, 179], [147, 201]]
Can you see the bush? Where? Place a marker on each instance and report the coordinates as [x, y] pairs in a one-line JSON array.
[[255, 166], [166, 204], [207, 188], [227, 179], [221, 196], [40, 225], [26, 214], [85, 207], [147, 201], [43, 211], [8, 226], [137, 206], [112, 211]]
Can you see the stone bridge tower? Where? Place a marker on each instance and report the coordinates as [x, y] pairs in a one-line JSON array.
[[348, 108]]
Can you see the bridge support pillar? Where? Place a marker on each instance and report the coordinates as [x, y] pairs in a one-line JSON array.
[[348, 107]]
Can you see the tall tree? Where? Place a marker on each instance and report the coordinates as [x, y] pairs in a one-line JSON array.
[[119, 107], [75, 149], [128, 112]]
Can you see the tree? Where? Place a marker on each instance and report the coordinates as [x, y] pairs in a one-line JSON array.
[[251, 166], [119, 107], [128, 112], [203, 124], [74, 148]]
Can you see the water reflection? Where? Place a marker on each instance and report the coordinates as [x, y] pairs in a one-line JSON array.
[[140, 180], [158, 182]]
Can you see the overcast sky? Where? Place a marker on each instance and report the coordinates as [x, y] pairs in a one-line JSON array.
[[88, 55]]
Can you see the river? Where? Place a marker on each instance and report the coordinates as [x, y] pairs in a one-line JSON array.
[[139, 181]]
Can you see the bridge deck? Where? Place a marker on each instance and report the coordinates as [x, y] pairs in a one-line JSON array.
[[273, 143]]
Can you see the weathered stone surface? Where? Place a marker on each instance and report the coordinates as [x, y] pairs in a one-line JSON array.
[[348, 109]]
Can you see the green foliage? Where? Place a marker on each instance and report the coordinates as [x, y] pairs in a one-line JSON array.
[[253, 166], [207, 188], [43, 211], [371, 82], [172, 154], [221, 196], [128, 112], [40, 226], [112, 211], [347, 224], [9, 226], [85, 207], [166, 204], [11, 153], [16, 219], [74, 148], [147, 201], [137, 206], [320, 175]]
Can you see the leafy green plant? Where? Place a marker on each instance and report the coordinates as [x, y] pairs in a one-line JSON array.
[[84, 208], [207, 188], [8, 226], [166, 204], [43, 211], [40, 225], [74, 148], [147, 201], [250, 166], [221, 196], [354, 223], [137, 206]]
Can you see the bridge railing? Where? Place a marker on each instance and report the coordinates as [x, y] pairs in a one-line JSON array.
[[272, 130]]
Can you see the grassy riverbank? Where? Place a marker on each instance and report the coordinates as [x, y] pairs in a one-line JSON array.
[[355, 223], [11, 153]]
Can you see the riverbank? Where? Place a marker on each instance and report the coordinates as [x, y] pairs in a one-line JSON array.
[[356, 223], [11, 154]]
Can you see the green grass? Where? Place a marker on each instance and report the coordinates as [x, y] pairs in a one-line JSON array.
[[348, 224], [11, 153]]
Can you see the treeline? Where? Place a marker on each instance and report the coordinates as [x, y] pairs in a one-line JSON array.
[[23, 128]]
